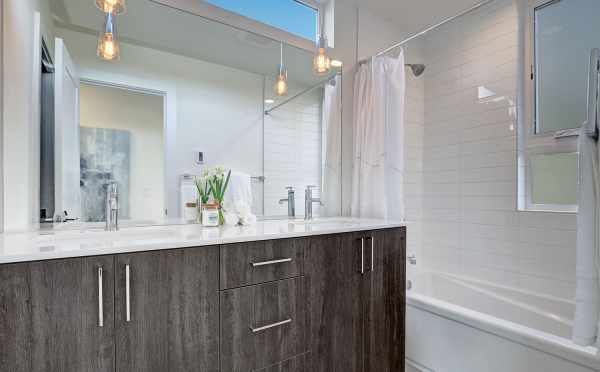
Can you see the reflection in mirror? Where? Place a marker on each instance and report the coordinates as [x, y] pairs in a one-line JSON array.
[[184, 94]]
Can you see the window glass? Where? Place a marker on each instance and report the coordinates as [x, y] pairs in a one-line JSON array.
[[565, 33], [554, 178], [292, 16]]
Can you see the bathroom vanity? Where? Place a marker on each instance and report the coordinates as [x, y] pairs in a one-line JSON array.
[[275, 297]]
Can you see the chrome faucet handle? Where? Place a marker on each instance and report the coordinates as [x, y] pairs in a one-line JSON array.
[[291, 200], [112, 206]]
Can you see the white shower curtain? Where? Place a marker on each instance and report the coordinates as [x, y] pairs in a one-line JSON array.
[[587, 295], [332, 149], [378, 172]]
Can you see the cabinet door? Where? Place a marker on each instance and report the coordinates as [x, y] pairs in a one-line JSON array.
[[332, 267], [384, 289], [167, 311], [55, 318]]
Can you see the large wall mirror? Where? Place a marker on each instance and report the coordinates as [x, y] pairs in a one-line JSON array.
[[149, 98]]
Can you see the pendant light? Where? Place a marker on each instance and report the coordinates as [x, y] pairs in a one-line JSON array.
[[108, 45], [322, 62], [281, 84], [115, 7]]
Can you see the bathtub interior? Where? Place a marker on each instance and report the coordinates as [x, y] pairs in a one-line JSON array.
[[542, 313]]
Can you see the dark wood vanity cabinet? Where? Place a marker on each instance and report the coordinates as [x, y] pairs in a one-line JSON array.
[[356, 294], [383, 290], [54, 317], [334, 303], [161, 316], [327, 303], [167, 311]]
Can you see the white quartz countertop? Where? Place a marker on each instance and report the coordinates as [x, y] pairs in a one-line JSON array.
[[52, 244]]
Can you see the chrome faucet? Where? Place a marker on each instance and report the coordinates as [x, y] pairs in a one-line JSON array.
[[308, 202], [112, 207], [291, 200]]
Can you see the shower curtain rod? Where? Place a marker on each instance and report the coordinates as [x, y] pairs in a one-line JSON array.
[[430, 28], [267, 112]]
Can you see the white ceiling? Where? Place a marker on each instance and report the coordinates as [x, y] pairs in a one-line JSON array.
[[415, 15]]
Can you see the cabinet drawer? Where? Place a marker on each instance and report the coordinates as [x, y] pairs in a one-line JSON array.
[[262, 325], [295, 364], [259, 262]]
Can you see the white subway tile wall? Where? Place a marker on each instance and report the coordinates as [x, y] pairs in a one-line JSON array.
[[414, 117], [461, 162], [292, 153]]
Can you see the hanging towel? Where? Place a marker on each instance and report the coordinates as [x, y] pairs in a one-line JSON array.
[[187, 192], [587, 295], [239, 190]]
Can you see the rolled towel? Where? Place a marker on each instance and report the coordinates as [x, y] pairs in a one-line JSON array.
[[231, 219], [248, 219]]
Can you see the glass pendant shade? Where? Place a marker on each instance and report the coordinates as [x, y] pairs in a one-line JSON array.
[[281, 84], [114, 7], [322, 62], [108, 45]]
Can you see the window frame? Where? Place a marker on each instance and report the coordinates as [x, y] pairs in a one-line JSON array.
[[530, 141], [312, 4]]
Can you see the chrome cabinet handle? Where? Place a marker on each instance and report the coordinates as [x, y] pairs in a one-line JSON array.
[[100, 299], [269, 326], [271, 262], [372, 253], [127, 294], [362, 255]]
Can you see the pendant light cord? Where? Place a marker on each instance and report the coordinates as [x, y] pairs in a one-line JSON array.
[[281, 54]]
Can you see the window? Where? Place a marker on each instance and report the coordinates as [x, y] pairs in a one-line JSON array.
[[560, 37], [300, 18], [565, 33]]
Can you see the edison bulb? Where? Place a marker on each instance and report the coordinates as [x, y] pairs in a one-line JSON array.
[[115, 7], [108, 47], [281, 85], [322, 63]]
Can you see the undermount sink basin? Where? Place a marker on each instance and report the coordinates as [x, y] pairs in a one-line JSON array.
[[123, 233]]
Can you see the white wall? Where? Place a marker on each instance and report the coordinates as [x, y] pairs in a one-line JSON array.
[[293, 152], [209, 108], [21, 121], [142, 116], [471, 226], [1, 114]]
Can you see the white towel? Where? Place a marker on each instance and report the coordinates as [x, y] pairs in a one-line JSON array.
[[239, 190], [587, 296], [188, 193]]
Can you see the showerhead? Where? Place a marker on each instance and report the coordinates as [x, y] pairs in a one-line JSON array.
[[417, 69]]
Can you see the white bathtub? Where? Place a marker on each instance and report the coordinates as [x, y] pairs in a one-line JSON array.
[[455, 324]]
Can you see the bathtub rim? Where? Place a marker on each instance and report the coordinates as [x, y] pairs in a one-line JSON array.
[[514, 332]]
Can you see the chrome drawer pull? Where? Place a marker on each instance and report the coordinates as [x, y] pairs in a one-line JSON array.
[[100, 299], [362, 255], [372, 253], [263, 328], [272, 262], [127, 294]]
